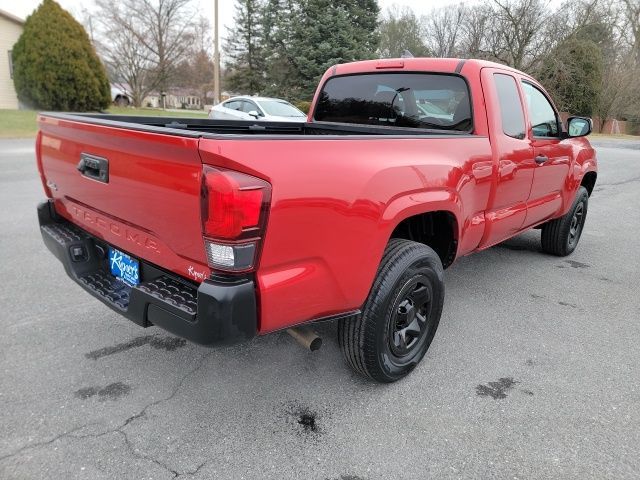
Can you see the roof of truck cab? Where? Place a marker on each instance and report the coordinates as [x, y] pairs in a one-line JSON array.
[[444, 65]]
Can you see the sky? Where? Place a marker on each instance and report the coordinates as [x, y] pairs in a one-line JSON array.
[[22, 8]]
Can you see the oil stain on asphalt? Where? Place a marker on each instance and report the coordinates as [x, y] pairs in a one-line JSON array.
[[496, 390], [574, 264], [567, 304], [303, 420], [308, 421], [113, 391], [161, 343]]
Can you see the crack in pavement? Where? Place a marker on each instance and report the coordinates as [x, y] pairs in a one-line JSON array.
[[138, 454], [120, 429], [45, 442]]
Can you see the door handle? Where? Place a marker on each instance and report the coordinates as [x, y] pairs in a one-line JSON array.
[[540, 159]]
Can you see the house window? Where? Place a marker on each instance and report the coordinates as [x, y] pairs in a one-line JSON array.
[[10, 63]]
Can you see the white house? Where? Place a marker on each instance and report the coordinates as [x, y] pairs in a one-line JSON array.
[[10, 31]]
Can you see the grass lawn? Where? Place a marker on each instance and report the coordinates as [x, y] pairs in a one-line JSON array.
[[17, 123], [22, 123], [153, 112]]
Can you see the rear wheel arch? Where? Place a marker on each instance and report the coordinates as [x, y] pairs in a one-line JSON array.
[[589, 181], [438, 229]]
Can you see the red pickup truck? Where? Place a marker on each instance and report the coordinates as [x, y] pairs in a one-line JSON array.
[[218, 231]]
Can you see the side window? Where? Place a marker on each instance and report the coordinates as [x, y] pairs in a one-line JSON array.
[[510, 107], [234, 105], [544, 122], [249, 107]]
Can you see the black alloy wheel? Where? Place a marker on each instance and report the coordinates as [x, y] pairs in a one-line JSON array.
[[410, 320]]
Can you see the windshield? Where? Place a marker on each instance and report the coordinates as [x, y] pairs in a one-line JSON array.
[[409, 100], [280, 108]]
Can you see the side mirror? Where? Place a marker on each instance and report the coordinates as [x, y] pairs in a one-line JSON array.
[[254, 114], [579, 126]]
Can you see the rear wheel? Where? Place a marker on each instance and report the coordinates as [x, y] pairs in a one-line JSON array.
[[561, 236], [400, 317]]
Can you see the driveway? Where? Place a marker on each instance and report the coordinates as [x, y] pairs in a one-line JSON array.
[[534, 371]]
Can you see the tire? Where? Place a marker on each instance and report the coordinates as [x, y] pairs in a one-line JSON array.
[[401, 314], [560, 237], [122, 101]]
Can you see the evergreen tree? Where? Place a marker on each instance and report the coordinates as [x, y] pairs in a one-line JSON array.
[[308, 36], [244, 47], [55, 65], [277, 21], [573, 75]]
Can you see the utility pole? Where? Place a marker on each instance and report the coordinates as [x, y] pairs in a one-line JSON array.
[[216, 57]]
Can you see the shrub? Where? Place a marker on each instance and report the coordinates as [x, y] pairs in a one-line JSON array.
[[55, 65]]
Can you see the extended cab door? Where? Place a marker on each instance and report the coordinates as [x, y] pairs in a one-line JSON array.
[[512, 152], [551, 155]]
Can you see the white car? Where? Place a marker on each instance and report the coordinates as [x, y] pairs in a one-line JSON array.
[[257, 108]]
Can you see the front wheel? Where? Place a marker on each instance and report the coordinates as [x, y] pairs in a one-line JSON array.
[[400, 317], [561, 236]]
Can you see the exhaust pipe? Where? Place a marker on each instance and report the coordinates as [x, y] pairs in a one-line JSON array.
[[306, 337]]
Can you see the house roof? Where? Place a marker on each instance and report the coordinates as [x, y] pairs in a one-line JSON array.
[[11, 17]]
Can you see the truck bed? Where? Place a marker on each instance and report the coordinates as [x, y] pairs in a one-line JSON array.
[[207, 128]]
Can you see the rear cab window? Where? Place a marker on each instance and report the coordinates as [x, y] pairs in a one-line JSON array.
[[431, 101]]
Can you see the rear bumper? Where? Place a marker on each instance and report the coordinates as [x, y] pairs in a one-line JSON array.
[[217, 312]]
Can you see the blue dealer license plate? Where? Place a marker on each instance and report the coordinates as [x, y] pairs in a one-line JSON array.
[[124, 267]]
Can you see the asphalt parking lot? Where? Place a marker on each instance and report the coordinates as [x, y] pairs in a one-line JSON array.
[[534, 372]]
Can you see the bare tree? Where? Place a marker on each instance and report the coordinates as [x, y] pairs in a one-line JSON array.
[[400, 30], [143, 41], [617, 93], [164, 28], [506, 31], [196, 69], [475, 38], [632, 24], [128, 61], [443, 27], [518, 28]]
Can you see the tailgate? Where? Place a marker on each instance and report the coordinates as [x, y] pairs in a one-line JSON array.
[[148, 202]]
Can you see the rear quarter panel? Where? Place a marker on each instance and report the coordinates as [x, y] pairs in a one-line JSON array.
[[335, 203]]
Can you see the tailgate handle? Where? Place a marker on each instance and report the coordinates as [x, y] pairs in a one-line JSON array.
[[96, 168]]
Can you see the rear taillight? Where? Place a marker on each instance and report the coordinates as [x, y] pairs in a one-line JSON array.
[[234, 211]]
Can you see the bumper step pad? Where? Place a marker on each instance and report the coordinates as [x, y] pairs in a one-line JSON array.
[[64, 234], [109, 288], [172, 292]]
